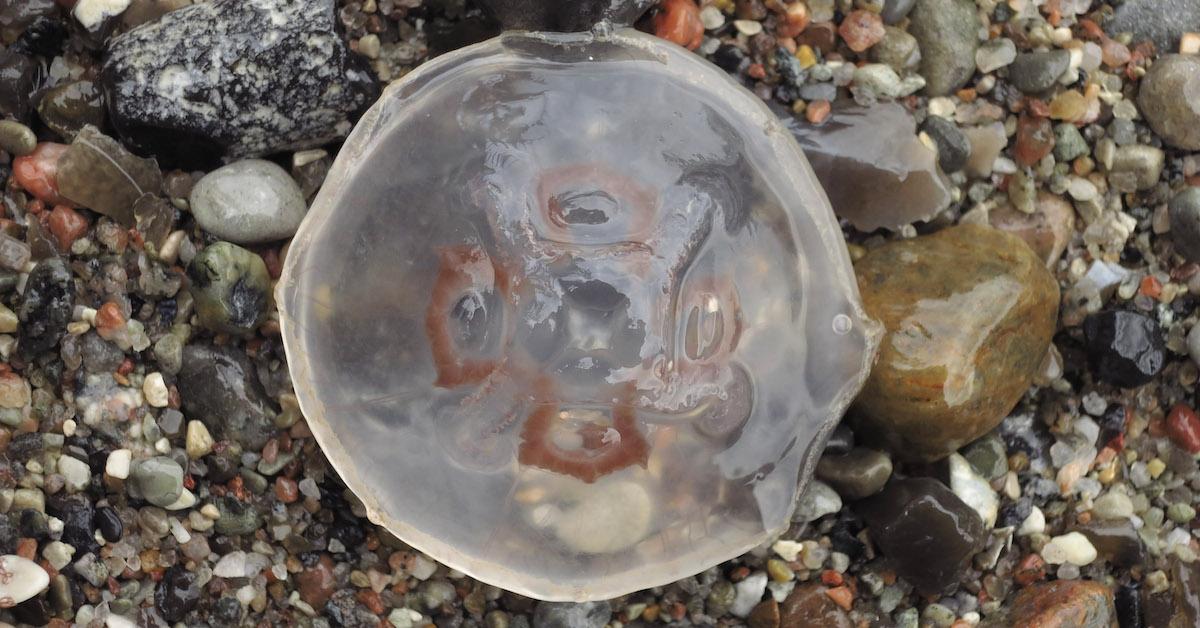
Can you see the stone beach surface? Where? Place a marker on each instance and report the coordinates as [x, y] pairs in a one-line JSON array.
[[1018, 190]]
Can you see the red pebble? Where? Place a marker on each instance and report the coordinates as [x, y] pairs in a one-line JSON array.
[[67, 225], [37, 172], [109, 318], [861, 30], [1031, 569], [1035, 140], [1184, 428], [678, 21]]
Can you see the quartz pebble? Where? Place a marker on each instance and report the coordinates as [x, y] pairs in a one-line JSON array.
[[25, 580], [247, 202], [749, 592], [118, 463], [155, 390], [973, 490], [1072, 547]]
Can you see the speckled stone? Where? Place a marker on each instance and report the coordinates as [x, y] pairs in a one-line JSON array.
[[1169, 97], [1160, 21], [235, 79], [948, 33], [231, 287], [1064, 604], [969, 313]]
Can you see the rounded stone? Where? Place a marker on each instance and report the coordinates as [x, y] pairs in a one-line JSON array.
[[1170, 99], [494, 295], [954, 149], [16, 138], [1036, 72], [1185, 222], [969, 312], [23, 580], [248, 201], [231, 287], [860, 473], [948, 33], [159, 480]]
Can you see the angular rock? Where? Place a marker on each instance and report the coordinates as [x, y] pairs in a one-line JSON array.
[[948, 31], [1064, 604], [953, 147], [1115, 541], [807, 606], [248, 201], [1124, 348], [874, 169], [927, 533], [219, 386], [98, 173], [46, 306], [68, 107], [1169, 98], [18, 80], [969, 312], [235, 79], [177, 593]]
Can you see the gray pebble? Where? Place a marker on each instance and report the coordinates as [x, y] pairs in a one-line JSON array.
[[16, 138], [948, 31], [953, 147], [1169, 98], [1185, 226], [248, 201], [572, 615], [159, 480], [1036, 72]]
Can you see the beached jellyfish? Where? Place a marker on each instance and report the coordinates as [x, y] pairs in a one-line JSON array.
[[572, 315]]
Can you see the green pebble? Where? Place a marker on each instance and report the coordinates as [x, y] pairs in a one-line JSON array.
[[231, 288], [160, 480], [1068, 143], [16, 138], [1181, 512], [237, 519], [987, 457]]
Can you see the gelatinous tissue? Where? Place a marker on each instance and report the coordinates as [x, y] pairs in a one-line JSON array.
[[572, 315]]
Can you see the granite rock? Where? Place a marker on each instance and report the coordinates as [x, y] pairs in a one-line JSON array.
[[969, 312], [234, 79]]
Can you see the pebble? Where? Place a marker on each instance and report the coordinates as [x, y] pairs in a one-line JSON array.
[[220, 387], [155, 390], [897, 50], [1116, 541], [1068, 142], [896, 10], [58, 554], [159, 480], [70, 106], [818, 500], [109, 523], [288, 99], [679, 21], [861, 30], [808, 606], [954, 149], [46, 306], [1113, 505], [75, 471], [749, 593], [1162, 21], [199, 441], [995, 54], [1064, 604], [1183, 427], [1124, 348], [231, 288], [118, 463], [1036, 72], [942, 380], [17, 83], [177, 593], [928, 534], [247, 202], [1185, 222], [987, 141], [25, 580], [987, 457], [1136, 168], [1047, 230], [1072, 547], [1168, 99], [973, 490], [96, 172], [16, 138], [947, 31], [1035, 523], [860, 473]]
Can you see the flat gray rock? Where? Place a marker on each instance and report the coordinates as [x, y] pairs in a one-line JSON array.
[[1160, 21]]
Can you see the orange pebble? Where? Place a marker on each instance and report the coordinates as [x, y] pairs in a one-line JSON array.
[[109, 318], [67, 226], [817, 111], [678, 21], [1150, 287], [37, 172], [842, 596]]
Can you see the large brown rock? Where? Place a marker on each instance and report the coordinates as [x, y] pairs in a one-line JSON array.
[[969, 312], [1064, 604]]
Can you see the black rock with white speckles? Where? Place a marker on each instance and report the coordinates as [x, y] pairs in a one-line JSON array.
[[233, 79]]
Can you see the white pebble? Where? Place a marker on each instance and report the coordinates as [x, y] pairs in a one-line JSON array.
[[199, 441], [75, 472], [231, 565], [1113, 505], [1035, 523], [91, 13], [973, 490], [749, 28], [787, 550], [117, 465], [69, 427], [749, 594], [1072, 547], [26, 580], [155, 390], [58, 554], [712, 18]]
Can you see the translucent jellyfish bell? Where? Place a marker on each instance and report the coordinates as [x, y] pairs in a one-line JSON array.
[[572, 315]]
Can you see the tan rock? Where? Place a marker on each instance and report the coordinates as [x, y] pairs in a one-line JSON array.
[[1047, 230], [969, 313]]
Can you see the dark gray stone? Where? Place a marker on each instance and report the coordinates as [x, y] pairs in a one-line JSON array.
[[233, 79], [1036, 72], [896, 10], [18, 79], [1185, 222], [218, 386], [954, 149], [1160, 21], [565, 17], [46, 306]]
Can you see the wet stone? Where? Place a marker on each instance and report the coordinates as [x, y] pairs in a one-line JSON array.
[[67, 108], [947, 31], [237, 518], [248, 201], [76, 513], [108, 522], [176, 594], [1185, 222], [987, 457], [46, 306], [897, 49], [159, 480], [99, 174], [18, 79], [807, 606], [1115, 541], [1047, 230], [857, 474], [1124, 348], [1169, 98], [953, 148], [27, 579], [16, 138], [1036, 72], [942, 380], [896, 10], [876, 144], [1064, 604], [817, 500], [303, 88], [927, 533], [231, 288]]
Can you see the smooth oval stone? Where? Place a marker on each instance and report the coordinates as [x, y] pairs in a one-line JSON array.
[[1185, 222], [232, 288], [969, 312], [1063, 604], [1036, 72], [926, 532], [23, 580], [159, 479], [16, 138], [1169, 97], [857, 474], [948, 33], [248, 201]]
